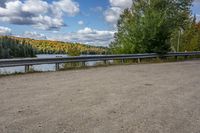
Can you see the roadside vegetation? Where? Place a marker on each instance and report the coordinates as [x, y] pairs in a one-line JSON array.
[[157, 26]]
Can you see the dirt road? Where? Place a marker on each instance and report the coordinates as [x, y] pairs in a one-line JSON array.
[[146, 98]]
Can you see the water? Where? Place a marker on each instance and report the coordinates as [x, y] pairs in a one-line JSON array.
[[45, 67]]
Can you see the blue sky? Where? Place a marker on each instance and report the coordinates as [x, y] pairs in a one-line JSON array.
[[86, 21]]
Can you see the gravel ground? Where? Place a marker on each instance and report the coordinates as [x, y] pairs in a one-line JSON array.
[[145, 98]]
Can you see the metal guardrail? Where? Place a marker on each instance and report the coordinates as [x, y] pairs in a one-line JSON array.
[[39, 61]]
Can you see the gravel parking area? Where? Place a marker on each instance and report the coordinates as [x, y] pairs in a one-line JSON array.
[[144, 98]]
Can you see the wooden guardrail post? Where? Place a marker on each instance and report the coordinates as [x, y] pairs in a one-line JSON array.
[[139, 60], [176, 57], [57, 67], [123, 61], [105, 62], [186, 57], [27, 68], [83, 63]]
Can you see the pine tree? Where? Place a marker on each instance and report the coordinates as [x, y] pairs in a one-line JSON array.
[[10, 48]]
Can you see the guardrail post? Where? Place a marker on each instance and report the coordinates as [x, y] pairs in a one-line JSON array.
[[57, 66], [176, 57], [83, 63], [186, 57], [123, 61], [105, 62], [139, 60], [27, 68]]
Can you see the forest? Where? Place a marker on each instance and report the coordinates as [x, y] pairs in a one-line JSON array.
[[11, 47], [157, 26]]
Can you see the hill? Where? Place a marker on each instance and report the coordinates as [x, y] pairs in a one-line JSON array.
[[58, 47]]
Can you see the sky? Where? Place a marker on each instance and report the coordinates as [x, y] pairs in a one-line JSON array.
[[90, 22]]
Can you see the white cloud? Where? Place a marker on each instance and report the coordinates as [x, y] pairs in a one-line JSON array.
[[33, 35], [86, 30], [88, 36], [112, 14], [80, 22], [2, 2], [116, 7], [198, 17], [68, 6], [5, 31], [38, 13], [121, 3], [35, 6]]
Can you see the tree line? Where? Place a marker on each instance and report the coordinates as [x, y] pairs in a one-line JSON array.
[[157, 26], [58, 47], [10, 48]]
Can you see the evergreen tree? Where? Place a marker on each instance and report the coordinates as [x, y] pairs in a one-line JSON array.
[[10, 48]]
